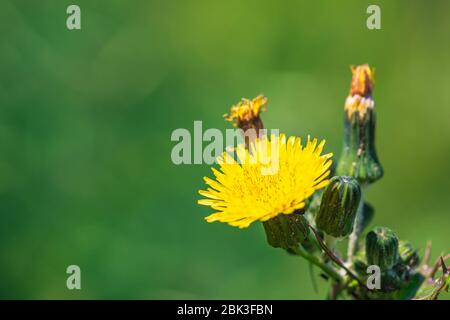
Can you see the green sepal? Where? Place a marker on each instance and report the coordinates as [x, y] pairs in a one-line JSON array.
[[359, 157], [286, 230]]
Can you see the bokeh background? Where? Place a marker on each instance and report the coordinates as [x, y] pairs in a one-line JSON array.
[[86, 117]]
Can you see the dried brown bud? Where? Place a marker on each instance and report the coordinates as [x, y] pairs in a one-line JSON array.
[[362, 80]]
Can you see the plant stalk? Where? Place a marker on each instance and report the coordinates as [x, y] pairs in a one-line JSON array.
[[327, 269], [335, 259], [357, 229]]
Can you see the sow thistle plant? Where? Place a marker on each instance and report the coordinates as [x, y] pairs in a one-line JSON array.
[[306, 208]]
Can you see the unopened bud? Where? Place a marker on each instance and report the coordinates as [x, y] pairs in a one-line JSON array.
[[339, 205], [408, 254], [359, 158], [382, 248]]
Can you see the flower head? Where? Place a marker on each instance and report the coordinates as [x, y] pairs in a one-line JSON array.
[[359, 157], [245, 114], [251, 189], [360, 98]]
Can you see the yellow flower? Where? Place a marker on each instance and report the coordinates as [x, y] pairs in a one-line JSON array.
[[275, 177]]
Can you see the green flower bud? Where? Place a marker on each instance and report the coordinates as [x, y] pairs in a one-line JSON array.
[[286, 230], [382, 248], [408, 254], [339, 205], [359, 158]]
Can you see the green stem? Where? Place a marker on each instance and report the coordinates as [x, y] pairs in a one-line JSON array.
[[330, 271], [357, 229], [333, 257]]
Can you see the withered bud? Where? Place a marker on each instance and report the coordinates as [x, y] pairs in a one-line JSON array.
[[360, 97], [362, 81], [245, 114], [359, 157]]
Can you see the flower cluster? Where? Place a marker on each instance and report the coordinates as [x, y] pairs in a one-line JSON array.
[[286, 185]]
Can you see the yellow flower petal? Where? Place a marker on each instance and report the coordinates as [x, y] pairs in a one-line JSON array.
[[276, 177]]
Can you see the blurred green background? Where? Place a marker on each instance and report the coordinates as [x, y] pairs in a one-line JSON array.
[[86, 117]]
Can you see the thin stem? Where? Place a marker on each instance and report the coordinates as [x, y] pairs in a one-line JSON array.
[[427, 255], [334, 258], [357, 229], [425, 265], [331, 272], [440, 262]]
